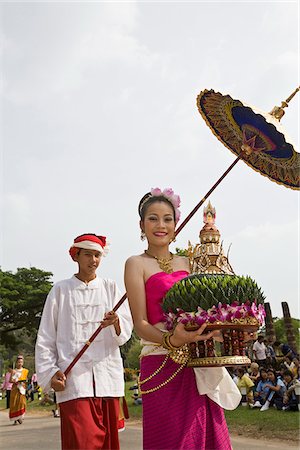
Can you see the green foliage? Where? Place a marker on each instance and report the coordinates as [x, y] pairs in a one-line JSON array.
[[132, 357], [280, 330], [131, 351], [181, 251], [208, 290], [22, 296]]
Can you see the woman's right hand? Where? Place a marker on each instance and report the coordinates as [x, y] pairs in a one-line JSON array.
[[181, 336]]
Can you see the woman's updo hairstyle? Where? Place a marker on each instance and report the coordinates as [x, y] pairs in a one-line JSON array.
[[148, 200]]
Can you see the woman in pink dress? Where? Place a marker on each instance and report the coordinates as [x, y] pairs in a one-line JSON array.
[[181, 407]]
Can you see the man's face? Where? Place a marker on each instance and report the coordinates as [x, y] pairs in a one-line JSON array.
[[88, 261]]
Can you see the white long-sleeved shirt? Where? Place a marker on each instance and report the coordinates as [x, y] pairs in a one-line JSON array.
[[72, 312]]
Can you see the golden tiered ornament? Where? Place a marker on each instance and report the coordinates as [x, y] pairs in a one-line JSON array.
[[213, 294]]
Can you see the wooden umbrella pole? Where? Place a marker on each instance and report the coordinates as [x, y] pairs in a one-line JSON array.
[[208, 194], [121, 301], [94, 335]]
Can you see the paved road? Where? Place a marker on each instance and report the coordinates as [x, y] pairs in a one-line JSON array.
[[42, 433]]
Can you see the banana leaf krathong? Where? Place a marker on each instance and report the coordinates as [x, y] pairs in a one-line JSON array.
[[216, 300]]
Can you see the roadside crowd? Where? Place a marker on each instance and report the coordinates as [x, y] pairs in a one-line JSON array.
[[273, 378]]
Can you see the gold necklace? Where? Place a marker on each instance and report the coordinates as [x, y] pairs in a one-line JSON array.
[[164, 263]]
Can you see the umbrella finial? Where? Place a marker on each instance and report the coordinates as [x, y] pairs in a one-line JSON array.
[[277, 111]]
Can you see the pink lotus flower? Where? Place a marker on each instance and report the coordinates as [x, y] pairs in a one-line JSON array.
[[220, 313], [171, 196], [168, 192], [156, 192]]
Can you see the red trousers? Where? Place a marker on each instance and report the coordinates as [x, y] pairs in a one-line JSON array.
[[90, 424]]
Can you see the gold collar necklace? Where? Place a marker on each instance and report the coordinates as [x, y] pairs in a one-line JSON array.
[[164, 263]]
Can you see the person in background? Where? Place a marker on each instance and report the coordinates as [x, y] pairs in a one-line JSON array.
[[270, 354], [55, 411], [290, 402], [34, 381], [276, 388], [74, 309], [254, 373], [7, 385], [286, 350], [244, 381], [18, 378], [30, 392], [259, 351], [261, 390], [295, 368]]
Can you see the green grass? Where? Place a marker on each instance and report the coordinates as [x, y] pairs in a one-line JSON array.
[[32, 407], [271, 424]]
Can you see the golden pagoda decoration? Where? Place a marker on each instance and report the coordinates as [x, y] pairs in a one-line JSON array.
[[213, 294], [208, 256]]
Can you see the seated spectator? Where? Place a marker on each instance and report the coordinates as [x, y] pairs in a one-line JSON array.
[[286, 350], [254, 373], [261, 391], [137, 400], [270, 354], [282, 369], [296, 367], [245, 382], [276, 388], [47, 400], [288, 362], [290, 402]]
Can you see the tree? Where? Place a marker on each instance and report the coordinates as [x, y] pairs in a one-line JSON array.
[[133, 355], [280, 330], [22, 296]]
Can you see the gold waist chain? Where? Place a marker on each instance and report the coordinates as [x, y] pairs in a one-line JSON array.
[[180, 356]]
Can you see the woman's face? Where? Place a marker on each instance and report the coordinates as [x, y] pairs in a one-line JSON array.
[[263, 375], [159, 224], [271, 376], [19, 363]]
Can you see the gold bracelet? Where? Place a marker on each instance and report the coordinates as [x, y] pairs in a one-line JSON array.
[[164, 340], [171, 347], [167, 344]]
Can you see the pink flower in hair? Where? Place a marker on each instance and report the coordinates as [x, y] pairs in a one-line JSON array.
[[156, 192], [174, 199], [168, 192]]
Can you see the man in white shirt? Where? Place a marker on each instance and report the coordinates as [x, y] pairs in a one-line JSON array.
[[74, 309], [259, 351]]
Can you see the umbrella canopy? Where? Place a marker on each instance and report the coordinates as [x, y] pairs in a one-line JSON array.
[[257, 135]]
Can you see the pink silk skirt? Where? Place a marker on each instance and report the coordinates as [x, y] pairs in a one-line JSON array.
[[176, 416]]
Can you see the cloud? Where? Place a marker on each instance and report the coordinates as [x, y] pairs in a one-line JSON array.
[[268, 231], [17, 207]]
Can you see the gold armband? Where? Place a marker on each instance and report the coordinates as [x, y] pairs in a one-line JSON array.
[[166, 342]]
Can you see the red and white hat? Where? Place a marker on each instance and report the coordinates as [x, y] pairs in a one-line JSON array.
[[89, 242]]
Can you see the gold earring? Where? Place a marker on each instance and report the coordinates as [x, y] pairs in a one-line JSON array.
[[143, 235]]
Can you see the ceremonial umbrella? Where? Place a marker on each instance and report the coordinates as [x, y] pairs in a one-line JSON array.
[[255, 137]]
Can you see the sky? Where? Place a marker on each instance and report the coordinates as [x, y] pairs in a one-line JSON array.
[[98, 105]]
